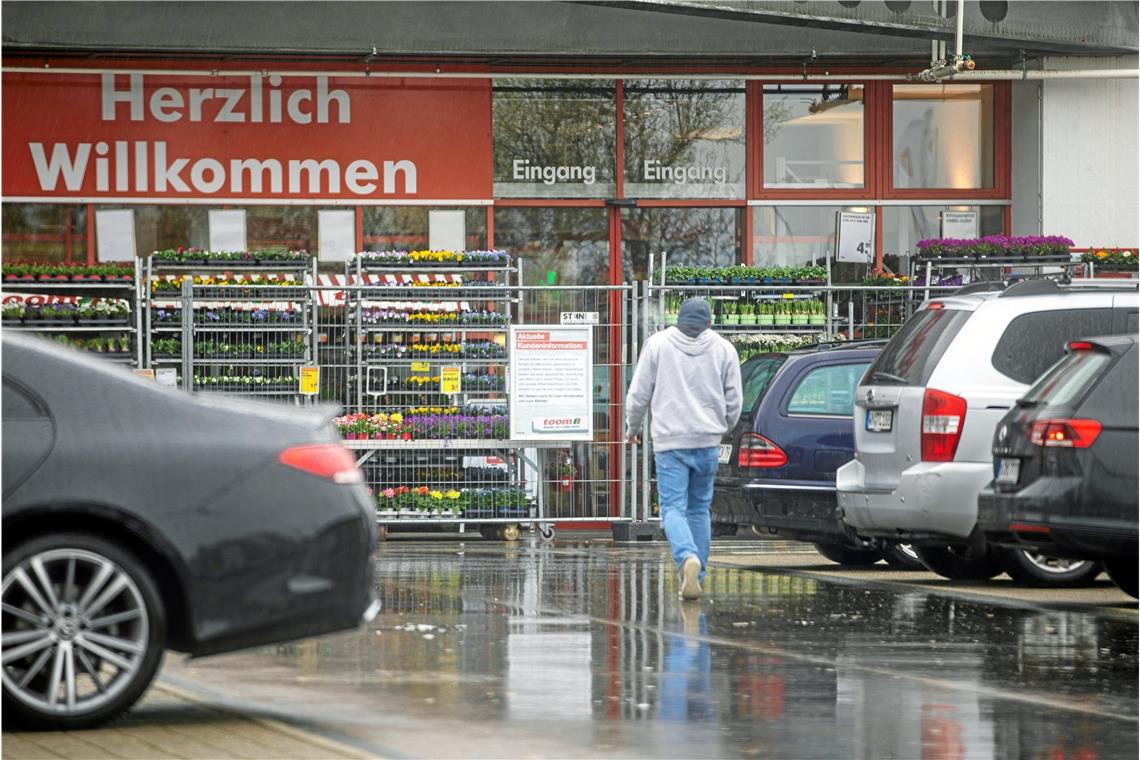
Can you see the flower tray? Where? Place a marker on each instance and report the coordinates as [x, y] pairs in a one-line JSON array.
[[1012, 259], [113, 322], [252, 292], [479, 513], [68, 322], [513, 511]]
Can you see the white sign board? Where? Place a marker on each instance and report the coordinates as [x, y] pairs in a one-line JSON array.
[[960, 225], [446, 231], [854, 237], [336, 235], [227, 230], [115, 235], [167, 377], [579, 318], [550, 382]]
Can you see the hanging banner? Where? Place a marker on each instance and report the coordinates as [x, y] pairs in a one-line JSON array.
[[551, 394], [854, 237], [129, 135]]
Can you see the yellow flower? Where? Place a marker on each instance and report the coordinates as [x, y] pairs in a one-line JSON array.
[[453, 494], [395, 417], [437, 494]]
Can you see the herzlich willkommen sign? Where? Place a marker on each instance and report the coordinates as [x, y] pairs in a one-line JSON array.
[[551, 371]]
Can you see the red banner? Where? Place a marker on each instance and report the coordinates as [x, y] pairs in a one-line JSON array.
[[126, 135]]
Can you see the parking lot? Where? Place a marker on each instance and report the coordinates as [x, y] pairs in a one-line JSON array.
[[581, 649]]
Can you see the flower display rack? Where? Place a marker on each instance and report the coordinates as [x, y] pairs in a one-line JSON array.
[[235, 322], [92, 307]]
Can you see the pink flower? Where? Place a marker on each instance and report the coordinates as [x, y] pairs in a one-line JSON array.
[[388, 493]]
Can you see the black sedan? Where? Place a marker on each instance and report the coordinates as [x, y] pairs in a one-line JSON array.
[[138, 518], [1065, 462]]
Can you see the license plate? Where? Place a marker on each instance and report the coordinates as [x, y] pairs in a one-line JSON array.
[[880, 420], [1007, 471], [724, 455]]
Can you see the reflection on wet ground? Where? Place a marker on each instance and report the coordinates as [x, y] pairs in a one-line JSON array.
[[584, 650]]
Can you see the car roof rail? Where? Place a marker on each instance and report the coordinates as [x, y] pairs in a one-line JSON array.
[[980, 287], [1051, 287]]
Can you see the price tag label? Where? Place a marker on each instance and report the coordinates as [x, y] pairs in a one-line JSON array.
[[310, 380], [421, 367], [449, 380], [854, 237], [789, 296]]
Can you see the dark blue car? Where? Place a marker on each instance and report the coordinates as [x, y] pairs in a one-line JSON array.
[[778, 465]]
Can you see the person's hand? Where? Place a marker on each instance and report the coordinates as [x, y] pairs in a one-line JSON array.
[[632, 438]]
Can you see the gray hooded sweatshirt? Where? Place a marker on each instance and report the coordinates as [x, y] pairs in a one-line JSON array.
[[691, 384]]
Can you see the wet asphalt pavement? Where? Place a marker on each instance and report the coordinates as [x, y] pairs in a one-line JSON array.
[[582, 649]]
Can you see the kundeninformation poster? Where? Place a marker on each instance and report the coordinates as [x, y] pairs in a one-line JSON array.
[[551, 370]]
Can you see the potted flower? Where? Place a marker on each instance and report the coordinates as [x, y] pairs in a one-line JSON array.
[[746, 311], [782, 313], [817, 315], [566, 472], [767, 313], [13, 313], [800, 311], [728, 313]]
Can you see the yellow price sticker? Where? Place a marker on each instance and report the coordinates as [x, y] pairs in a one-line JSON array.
[[310, 380], [789, 296], [449, 380], [421, 367]]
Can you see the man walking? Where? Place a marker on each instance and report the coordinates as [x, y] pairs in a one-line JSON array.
[[690, 377]]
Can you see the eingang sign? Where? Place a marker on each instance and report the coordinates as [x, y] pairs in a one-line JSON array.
[[136, 136]]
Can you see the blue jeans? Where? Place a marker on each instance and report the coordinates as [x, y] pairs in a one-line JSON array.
[[685, 480]]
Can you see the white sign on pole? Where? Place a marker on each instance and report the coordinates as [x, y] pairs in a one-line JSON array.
[[336, 235], [115, 235], [960, 225], [550, 381], [854, 237], [447, 231], [227, 229], [579, 317]]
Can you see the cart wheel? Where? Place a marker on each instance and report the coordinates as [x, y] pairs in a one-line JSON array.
[[511, 533], [382, 532], [547, 532]]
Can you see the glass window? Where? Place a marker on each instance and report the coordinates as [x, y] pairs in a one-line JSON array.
[[684, 139], [904, 226], [916, 349], [1034, 342], [44, 232], [293, 228], [407, 228], [793, 236], [756, 376], [160, 227], [1068, 380], [556, 246], [828, 390], [554, 140], [813, 135], [688, 237], [943, 136]]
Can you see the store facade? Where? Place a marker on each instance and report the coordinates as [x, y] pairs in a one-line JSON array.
[[583, 178]]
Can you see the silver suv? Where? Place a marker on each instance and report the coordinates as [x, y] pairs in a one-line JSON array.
[[925, 414]]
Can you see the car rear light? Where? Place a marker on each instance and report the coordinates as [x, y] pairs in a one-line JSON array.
[[758, 451], [1028, 528], [935, 305], [1069, 434], [325, 460], [943, 416], [1080, 345]]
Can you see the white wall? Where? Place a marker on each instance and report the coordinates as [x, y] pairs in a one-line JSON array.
[[1091, 155], [1025, 158]]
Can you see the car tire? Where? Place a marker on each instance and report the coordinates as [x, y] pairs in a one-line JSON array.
[[959, 564], [1030, 569], [1123, 574], [902, 557], [84, 631], [723, 529], [848, 556]]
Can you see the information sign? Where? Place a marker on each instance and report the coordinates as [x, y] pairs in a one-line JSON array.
[[550, 381], [960, 225], [580, 318], [854, 237], [449, 380], [310, 380]]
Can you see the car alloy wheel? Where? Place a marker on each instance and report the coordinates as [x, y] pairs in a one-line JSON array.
[[82, 631], [902, 556], [1035, 569]]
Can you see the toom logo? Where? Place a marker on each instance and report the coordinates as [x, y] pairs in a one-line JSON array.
[[556, 424]]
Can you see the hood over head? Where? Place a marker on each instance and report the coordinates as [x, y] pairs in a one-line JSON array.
[[694, 317]]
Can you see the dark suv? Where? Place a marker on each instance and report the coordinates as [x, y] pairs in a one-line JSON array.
[[1065, 462], [778, 465]]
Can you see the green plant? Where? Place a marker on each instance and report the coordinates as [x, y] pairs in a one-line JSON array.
[[746, 308], [728, 308]]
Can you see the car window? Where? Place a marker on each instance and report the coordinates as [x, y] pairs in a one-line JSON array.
[[18, 404], [1068, 380], [1033, 342], [1131, 321], [911, 356], [828, 390], [756, 375]]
